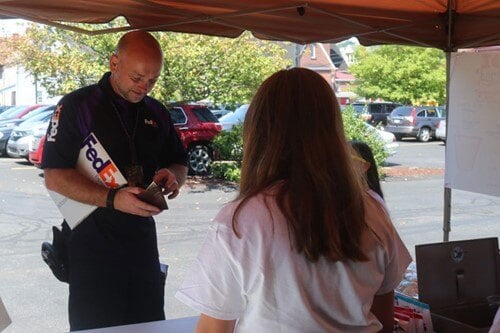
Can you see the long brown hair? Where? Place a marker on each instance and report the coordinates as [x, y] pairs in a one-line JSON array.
[[293, 136]]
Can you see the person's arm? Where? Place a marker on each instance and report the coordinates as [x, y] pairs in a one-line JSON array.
[[207, 324], [171, 178], [72, 184], [383, 309]]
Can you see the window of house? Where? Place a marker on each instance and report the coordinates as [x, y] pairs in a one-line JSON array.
[[313, 51], [13, 98]]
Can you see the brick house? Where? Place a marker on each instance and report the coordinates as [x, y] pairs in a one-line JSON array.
[[329, 61]]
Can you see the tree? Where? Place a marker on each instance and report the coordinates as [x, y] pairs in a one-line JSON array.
[[222, 70], [64, 60], [411, 75], [9, 54], [196, 67]]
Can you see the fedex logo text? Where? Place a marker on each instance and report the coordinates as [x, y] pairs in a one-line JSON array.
[[54, 124], [104, 168]]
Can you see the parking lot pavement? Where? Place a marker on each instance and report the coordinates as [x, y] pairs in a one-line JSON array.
[[37, 302]]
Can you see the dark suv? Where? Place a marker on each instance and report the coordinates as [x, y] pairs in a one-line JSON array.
[[415, 121], [196, 126], [374, 113]]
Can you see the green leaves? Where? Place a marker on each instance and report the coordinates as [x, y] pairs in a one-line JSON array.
[[225, 71], [411, 75], [356, 129]]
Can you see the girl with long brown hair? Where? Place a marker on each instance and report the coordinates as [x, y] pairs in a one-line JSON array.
[[303, 247]]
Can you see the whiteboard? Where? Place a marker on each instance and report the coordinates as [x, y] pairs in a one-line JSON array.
[[473, 138]]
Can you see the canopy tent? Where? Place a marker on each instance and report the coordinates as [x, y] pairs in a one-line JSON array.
[[444, 24]]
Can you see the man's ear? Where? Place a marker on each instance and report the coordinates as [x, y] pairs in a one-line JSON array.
[[113, 62]]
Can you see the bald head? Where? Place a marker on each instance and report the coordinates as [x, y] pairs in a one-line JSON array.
[[139, 41], [136, 65]]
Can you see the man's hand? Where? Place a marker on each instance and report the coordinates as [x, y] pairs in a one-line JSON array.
[[168, 181], [126, 200]]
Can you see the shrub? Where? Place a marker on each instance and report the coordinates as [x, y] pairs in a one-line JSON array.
[[228, 170], [356, 129], [228, 145]]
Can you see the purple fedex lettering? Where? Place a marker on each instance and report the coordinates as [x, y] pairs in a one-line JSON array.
[[105, 169], [97, 163]]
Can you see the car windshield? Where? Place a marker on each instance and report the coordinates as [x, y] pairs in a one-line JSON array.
[[359, 108], [39, 117], [37, 111], [402, 111], [205, 115], [10, 113]]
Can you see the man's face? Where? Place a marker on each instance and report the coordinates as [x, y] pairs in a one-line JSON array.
[[134, 75]]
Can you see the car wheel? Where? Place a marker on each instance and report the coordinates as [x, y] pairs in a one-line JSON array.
[[424, 134], [398, 136], [199, 160]]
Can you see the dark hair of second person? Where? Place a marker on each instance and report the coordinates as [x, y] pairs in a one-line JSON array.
[[372, 176]]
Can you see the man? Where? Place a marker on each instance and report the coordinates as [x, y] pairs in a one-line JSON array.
[[114, 270]]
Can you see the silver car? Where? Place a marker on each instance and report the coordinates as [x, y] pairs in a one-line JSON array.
[[415, 121], [441, 130], [21, 138]]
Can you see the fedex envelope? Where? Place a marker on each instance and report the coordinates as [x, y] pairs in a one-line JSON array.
[[95, 163]]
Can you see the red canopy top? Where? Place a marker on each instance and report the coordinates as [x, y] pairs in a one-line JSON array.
[[474, 23]]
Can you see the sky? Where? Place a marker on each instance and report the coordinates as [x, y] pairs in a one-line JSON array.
[[9, 26]]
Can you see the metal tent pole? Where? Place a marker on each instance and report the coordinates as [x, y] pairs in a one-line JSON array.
[[447, 190]]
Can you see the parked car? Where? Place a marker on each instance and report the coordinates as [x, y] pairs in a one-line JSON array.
[[441, 130], [374, 113], [22, 135], [390, 143], [415, 121], [237, 117], [7, 125], [4, 108], [196, 126], [36, 149], [219, 111], [19, 111]]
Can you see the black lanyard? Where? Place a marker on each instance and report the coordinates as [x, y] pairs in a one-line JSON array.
[[134, 173]]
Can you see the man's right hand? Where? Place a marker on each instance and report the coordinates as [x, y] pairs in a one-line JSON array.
[[126, 200]]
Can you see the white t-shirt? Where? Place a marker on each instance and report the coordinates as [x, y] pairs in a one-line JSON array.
[[268, 287]]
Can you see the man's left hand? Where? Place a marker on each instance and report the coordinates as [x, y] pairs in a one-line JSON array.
[[168, 181]]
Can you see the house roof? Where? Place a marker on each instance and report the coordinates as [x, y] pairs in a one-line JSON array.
[[344, 76]]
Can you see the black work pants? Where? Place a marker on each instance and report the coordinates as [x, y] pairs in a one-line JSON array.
[[114, 269]]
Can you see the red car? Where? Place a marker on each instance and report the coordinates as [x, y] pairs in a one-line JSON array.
[[194, 123], [196, 126], [36, 150]]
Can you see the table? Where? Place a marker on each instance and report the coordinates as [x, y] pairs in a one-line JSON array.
[[180, 325]]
